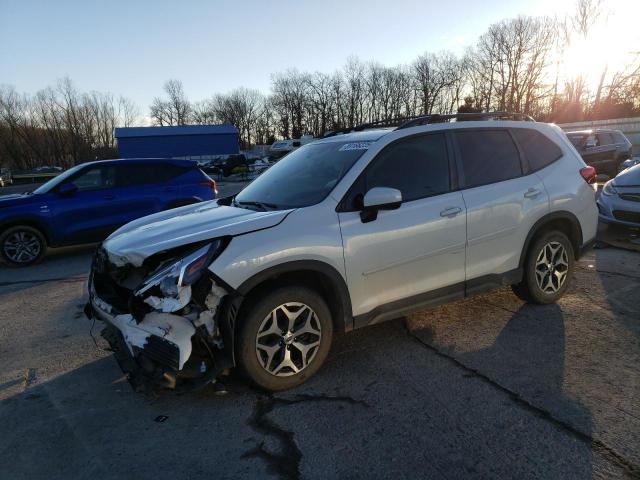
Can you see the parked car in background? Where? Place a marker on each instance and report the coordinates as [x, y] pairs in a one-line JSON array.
[[225, 165], [619, 201], [89, 201], [630, 162], [6, 177], [603, 149], [47, 169], [344, 232], [280, 148]]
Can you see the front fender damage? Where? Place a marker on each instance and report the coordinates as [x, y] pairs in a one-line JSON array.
[[177, 342]]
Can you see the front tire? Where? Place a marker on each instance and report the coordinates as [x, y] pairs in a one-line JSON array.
[[22, 245], [548, 269], [285, 338]]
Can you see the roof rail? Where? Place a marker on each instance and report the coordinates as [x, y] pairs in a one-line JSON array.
[[414, 121], [385, 123], [426, 119]]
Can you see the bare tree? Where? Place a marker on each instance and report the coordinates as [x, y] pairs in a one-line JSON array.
[[59, 126], [587, 13], [174, 110]]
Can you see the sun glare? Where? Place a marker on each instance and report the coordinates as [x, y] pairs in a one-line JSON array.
[[610, 44]]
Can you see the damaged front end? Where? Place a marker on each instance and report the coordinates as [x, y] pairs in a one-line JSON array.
[[166, 320]]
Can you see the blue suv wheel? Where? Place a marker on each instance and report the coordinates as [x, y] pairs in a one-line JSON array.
[[22, 245]]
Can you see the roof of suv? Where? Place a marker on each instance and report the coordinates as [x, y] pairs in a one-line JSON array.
[[172, 161], [363, 136], [377, 133], [375, 130]]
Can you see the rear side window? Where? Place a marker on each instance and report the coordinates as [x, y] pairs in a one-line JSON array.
[[605, 139], [417, 166], [576, 139], [619, 137], [487, 156], [148, 173], [539, 151]]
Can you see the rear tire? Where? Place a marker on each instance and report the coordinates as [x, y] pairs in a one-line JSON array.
[[548, 268], [22, 245], [285, 338]]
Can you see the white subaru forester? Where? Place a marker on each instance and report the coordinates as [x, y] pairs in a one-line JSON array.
[[347, 231]]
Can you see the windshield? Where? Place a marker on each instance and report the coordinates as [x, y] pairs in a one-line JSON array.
[[304, 177], [55, 181]]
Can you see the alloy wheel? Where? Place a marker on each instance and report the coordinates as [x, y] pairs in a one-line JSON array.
[[288, 339], [552, 266], [22, 247]]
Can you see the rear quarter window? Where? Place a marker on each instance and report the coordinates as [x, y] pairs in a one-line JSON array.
[[487, 156], [619, 137], [539, 151], [147, 173]]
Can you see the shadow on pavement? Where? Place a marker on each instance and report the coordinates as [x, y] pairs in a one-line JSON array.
[[527, 361], [384, 406]]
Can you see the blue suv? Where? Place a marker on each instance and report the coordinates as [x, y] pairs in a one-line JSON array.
[[89, 201]]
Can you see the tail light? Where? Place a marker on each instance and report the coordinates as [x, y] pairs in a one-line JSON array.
[[210, 183], [589, 174]]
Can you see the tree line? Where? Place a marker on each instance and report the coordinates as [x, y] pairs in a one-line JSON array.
[[60, 126], [516, 65]]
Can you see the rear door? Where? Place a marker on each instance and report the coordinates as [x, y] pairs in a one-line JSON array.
[[194, 185], [415, 249], [142, 189], [600, 152], [503, 201]]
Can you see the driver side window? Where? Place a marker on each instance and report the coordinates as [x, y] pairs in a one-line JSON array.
[[417, 166], [95, 178]]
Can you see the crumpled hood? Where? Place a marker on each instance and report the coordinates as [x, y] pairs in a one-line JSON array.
[[146, 236], [16, 199]]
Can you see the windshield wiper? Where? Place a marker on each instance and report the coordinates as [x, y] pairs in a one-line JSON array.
[[263, 205]]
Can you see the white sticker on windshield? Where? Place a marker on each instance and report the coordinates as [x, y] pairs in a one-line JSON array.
[[355, 146]]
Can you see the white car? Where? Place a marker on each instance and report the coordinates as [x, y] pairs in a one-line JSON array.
[[345, 232]]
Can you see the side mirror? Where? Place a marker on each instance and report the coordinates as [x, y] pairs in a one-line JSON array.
[[67, 189], [591, 143], [379, 198]]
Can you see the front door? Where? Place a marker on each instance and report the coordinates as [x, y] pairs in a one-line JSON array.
[[419, 249], [92, 212]]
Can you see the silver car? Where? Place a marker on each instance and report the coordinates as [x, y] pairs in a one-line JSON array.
[[347, 231], [620, 199]]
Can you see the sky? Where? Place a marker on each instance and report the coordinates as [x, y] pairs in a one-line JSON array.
[[131, 48]]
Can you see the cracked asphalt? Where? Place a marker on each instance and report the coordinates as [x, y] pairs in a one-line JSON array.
[[488, 387]]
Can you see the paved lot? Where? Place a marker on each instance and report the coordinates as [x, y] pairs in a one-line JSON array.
[[488, 387]]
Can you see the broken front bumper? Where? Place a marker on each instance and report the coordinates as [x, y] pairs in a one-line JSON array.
[[165, 349]]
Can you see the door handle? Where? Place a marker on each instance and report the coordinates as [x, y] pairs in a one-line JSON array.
[[109, 197], [450, 212], [532, 193]]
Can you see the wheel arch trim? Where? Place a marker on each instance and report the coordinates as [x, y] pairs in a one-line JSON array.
[[337, 284], [545, 220]]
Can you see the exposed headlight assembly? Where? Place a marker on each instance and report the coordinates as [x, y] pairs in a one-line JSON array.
[[174, 279]]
